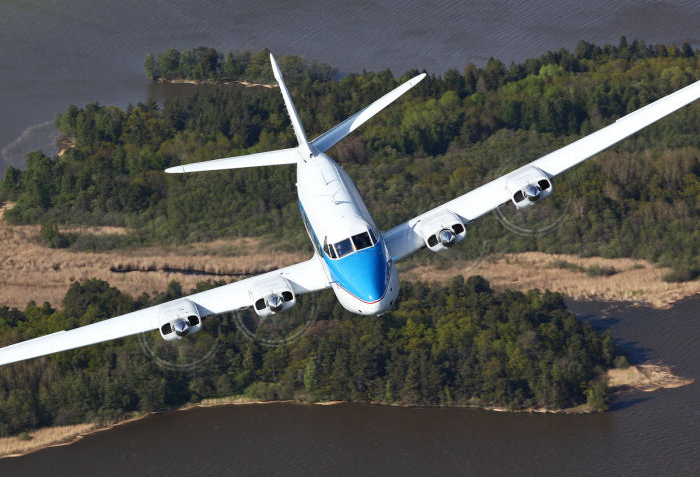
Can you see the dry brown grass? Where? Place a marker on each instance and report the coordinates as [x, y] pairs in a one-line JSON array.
[[646, 377], [40, 438], [32, 271], [636, 280]]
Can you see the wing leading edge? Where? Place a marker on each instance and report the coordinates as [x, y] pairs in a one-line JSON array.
[[406, 238], [304, 277]]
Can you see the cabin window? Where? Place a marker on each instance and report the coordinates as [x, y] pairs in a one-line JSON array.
[[361, 241], [343, 248]]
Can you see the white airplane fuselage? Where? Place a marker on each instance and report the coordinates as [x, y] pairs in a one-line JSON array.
[[345, 238]]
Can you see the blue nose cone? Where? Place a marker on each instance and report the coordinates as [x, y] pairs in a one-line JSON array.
[[363, 274]]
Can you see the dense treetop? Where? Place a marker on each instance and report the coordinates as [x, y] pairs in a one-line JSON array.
[[207, 64], [461, 344]]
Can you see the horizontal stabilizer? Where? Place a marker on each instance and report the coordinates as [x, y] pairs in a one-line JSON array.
[[331, 137], [272, 158]]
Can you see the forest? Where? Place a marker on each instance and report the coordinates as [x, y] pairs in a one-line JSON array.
[[449, 134], [456, 345]]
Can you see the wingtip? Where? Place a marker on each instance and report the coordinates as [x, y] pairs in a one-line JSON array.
[[275, 68], [418, 78], [175, 170]]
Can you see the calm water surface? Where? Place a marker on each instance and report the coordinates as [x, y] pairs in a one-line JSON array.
[[646, 434], [59, 53]]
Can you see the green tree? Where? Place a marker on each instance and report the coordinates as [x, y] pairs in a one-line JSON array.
[[149, 65]]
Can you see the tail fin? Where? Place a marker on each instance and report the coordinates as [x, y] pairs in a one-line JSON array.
[[321, 144], [291, 110]]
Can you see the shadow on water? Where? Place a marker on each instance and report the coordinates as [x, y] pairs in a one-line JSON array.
[[627, 399], [633, 350]]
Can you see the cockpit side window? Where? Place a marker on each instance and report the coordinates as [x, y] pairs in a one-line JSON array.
[[372, 234], [361, 241], [330, 251], [343, 247]]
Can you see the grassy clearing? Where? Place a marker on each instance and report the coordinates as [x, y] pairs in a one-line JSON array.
[[591, 278], [33, 271]]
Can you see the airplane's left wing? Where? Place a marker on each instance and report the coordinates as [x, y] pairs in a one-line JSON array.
[[528, 183], [304, 277]]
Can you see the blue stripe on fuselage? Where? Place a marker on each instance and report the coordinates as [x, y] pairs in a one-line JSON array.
[[363, 274]]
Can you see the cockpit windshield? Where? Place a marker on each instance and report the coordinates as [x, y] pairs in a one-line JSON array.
[[361, 241], [345, 247]]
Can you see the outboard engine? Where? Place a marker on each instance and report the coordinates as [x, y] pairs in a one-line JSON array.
[[528, 185], [179, 319]]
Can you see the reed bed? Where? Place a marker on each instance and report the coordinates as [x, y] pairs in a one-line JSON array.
[[32, 271], [632, 280], [40, 438]]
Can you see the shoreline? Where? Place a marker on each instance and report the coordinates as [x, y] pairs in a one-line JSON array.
[[67, 435], [247, 84], [13, 447], [643, 377]]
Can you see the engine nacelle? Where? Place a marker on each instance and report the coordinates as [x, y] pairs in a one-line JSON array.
[[527, 186], [442, 230], [179, 319], [272, 296]]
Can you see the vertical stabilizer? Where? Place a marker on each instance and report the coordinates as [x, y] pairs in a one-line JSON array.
[[291, 110]]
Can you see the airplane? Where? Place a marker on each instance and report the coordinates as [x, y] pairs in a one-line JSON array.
[[352, 256]]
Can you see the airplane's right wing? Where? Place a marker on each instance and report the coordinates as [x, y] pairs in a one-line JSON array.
[[304, 277], [412, 235]]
